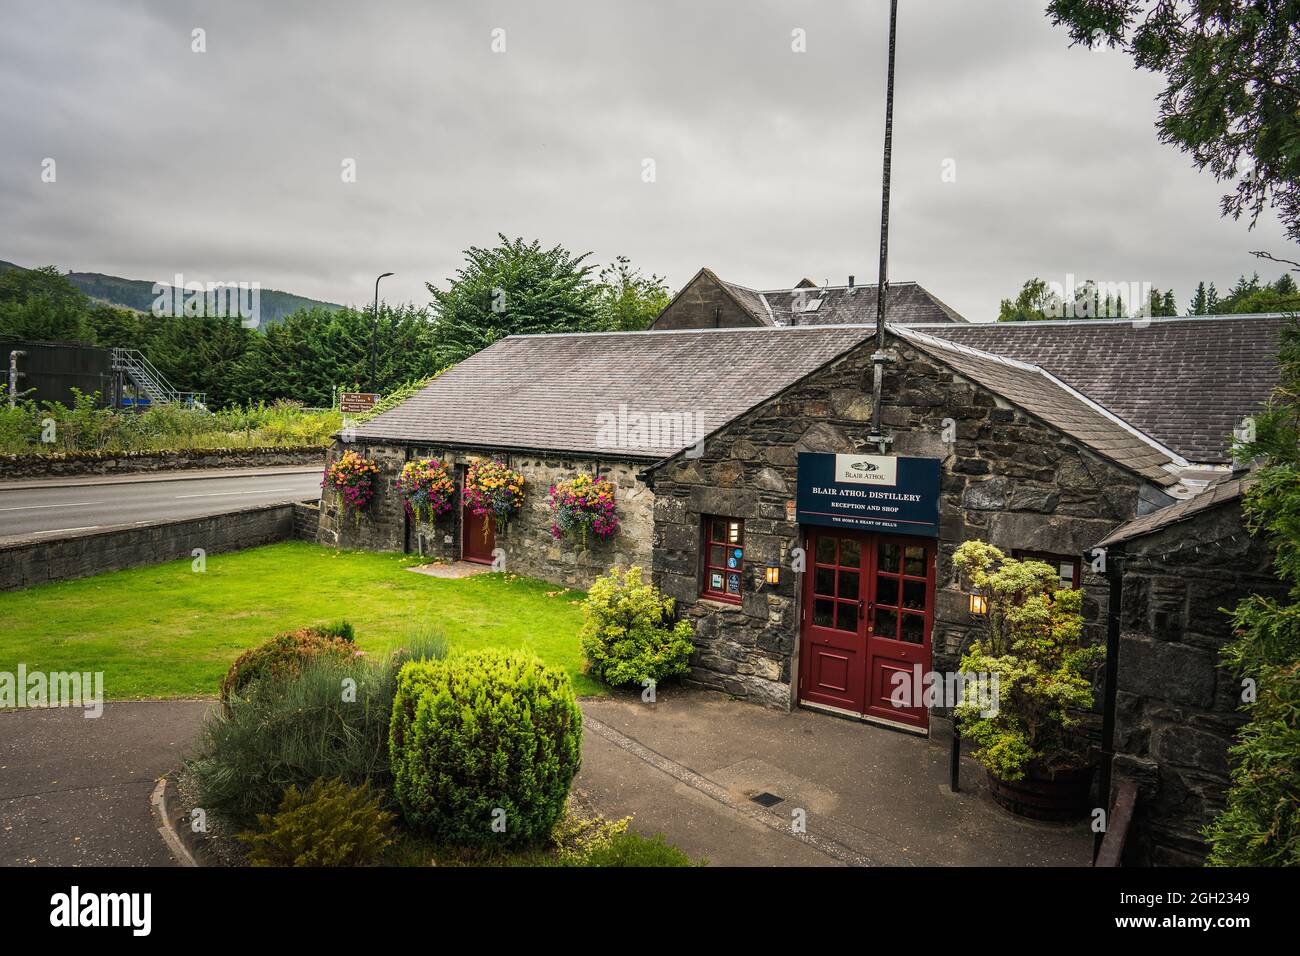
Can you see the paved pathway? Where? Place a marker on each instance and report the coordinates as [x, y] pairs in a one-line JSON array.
[[76, 792]]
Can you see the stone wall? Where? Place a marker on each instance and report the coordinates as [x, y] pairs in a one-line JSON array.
[[529, 548], [82, 463], [1006, 478], [1176, 708], [306, 520], [703, 305], [43, 560]]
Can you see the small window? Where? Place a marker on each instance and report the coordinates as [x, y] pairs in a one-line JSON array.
[[724, 559], [1067, 568]]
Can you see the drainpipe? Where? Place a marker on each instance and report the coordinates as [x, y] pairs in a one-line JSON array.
[[880, 357], [13, 375], [1115, 578]]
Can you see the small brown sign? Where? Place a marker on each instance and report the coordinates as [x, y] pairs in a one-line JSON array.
[[354, 403]]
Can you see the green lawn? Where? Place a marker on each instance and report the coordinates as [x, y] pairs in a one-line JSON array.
[[166, 631]]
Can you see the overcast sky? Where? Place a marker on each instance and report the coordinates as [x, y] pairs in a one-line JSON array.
[[226, 165]]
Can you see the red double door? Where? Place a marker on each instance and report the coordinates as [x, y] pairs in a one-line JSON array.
[[868, 607], [478, 536]]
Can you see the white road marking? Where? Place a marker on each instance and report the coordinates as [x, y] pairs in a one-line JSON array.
[[89, 527], [228, 494], [62, 504]]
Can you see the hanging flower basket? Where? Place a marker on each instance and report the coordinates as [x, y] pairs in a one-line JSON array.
[[583, 505], [352, 478], [493, 490], [426, 488]]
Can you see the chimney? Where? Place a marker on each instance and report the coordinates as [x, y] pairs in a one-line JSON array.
[[850, 285]]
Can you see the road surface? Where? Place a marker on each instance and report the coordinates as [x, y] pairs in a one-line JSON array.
[[62, 506]]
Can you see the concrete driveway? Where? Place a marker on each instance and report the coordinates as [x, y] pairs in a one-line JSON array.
[[75, 792]]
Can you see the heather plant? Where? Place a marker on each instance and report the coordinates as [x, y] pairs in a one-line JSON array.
[[583, 505], [628, 635], [284, 654], [331, 824]]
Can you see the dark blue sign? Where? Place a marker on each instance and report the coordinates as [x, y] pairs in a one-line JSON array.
[[869, 493]]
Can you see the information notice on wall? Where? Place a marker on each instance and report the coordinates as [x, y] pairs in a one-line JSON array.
[[881, 493]]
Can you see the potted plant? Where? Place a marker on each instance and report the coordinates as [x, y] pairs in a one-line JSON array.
[[352, 478], [581, 505], [1026, 736], [493, 490], [427, 489]]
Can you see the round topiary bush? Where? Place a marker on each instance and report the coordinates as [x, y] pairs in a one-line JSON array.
[[284, 655], [483, 747]]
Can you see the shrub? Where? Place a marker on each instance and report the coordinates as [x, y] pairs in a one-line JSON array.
[[627, 636], [479, 734], [285, 654], [1044, 675], [629, 848], [331, 824], [290, 730]]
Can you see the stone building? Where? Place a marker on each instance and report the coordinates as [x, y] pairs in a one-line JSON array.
[[1177, 709]]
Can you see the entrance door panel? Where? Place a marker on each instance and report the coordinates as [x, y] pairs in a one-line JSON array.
[[834, 650], [869, 604], [478, 537], [898, 629]]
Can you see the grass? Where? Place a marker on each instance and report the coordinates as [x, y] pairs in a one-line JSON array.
[[166, 631]]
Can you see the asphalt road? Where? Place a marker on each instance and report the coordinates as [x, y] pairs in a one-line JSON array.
[[63, 506]]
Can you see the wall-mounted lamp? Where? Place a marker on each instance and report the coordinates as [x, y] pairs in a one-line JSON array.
[[773, 573], [979, 604]]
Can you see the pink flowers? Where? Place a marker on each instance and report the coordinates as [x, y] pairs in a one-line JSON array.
[[582, 504], [352, 478]]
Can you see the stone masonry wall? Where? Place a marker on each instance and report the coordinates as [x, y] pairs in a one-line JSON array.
[[527, 542], [1176, 708], [81, 463], [1006, 478]]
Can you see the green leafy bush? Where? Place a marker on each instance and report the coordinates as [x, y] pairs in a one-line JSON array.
[[327, 719], [285, 654], [1044, 675], [331, 824], [484, 747], [628, 635]]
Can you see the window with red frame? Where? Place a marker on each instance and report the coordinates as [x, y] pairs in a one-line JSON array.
[[1067, 568], [724, 559]]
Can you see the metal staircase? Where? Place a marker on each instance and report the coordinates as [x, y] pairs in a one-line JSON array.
[[150, 383]]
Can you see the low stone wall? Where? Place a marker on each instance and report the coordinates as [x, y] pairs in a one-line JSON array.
[[76, 464], [306, 520], [43, 560], [529, 548], [1177, 710]]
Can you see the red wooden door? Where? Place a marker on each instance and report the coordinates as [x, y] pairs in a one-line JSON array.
[[868, 608], [834, 653], [478, 537], [900, 609]]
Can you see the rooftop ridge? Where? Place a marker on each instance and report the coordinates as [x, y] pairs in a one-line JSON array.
[[1153, 320]]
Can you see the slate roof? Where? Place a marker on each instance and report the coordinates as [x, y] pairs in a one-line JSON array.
[[551, 392], [909, 304], [1186, 382], [1227, 489], [1045, 396]]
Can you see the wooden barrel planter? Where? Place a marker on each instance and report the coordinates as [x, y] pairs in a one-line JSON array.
[[1058, 798]]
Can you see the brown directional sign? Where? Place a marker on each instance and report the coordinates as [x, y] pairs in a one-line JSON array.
[[354, 403]]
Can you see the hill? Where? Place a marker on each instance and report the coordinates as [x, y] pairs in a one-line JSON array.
[[138, 294]]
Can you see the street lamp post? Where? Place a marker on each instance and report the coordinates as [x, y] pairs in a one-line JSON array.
[[374, 330]]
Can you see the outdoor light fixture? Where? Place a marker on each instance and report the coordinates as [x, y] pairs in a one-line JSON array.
[[979, 604], [773, 573]]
